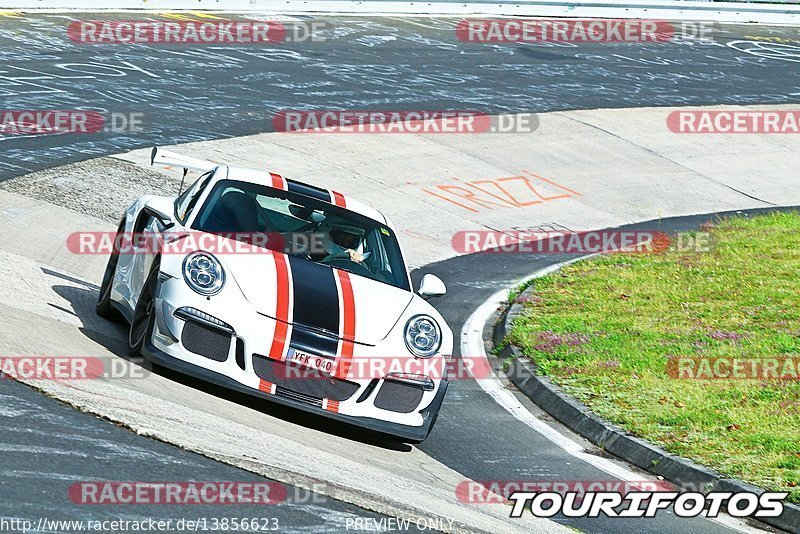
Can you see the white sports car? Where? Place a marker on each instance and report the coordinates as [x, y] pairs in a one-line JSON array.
[[320, 315]]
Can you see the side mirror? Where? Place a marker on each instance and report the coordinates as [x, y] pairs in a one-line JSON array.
[[161, 209], [431, 286]]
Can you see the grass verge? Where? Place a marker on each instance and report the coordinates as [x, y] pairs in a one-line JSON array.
[[622, 332]]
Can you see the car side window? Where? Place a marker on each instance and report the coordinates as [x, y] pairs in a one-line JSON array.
[[185, 203]]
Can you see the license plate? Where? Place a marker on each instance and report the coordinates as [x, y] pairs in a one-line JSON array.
[[320, 363]]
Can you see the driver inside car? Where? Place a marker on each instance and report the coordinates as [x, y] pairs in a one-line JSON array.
[[345, 242]]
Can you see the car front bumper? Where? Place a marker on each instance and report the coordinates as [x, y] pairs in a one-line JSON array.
[[239, 364]]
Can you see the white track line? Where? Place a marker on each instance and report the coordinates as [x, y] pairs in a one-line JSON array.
[[472, 345]]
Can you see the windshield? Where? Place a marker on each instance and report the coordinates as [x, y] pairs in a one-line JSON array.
[[304, 227]]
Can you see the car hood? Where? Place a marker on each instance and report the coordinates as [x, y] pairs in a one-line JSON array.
[[317, 300]]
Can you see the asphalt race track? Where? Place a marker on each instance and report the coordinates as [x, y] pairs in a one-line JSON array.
[[188, 94], [191, 94]]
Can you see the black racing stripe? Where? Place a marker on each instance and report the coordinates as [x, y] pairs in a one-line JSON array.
[[316, 307], [313, 342], [308, 190]]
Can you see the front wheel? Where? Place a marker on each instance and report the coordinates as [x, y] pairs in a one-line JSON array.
[[144, 314]]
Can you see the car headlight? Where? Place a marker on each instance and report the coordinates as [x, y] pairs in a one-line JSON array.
[[204, 273], [423, 336]]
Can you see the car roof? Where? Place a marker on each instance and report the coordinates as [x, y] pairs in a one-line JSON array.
[[277, 181]]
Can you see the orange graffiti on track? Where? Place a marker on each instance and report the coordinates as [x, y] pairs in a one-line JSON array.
[[519, 191]]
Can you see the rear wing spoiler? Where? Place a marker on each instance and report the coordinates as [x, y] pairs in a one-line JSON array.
[[164, 157]]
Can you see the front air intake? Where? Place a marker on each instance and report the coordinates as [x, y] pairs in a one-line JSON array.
[[398, 397], [207, 342], [303, 380]]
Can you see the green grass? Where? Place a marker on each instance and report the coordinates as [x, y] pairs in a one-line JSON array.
[[605, 328]]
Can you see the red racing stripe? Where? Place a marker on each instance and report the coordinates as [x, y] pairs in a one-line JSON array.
[[282, 287], [348, 323], [338, 199], [331, 405], [266, 387], [278, 181]]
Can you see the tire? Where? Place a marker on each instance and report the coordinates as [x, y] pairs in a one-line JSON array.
[[144, 314], [105, 308]]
